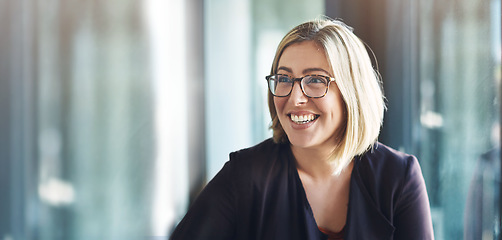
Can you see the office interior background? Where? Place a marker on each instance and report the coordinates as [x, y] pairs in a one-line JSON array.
[[114, 114]]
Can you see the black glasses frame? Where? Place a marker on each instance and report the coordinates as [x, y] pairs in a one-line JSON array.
[[299, 80]]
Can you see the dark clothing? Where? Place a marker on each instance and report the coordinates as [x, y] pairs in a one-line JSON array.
[[258, 194]]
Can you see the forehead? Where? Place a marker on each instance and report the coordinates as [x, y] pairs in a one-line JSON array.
[[304, 55]]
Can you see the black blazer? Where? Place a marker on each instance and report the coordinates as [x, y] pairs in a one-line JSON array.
[[259, 195]]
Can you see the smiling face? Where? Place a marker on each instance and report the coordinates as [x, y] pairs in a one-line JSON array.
[[313, 123]]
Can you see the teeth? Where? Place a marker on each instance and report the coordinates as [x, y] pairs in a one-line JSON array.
[[302, 119]]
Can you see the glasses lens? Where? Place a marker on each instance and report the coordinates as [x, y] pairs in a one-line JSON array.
[[280, 85], [314, 86]]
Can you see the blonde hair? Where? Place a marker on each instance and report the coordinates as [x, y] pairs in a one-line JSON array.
[[358, 82]]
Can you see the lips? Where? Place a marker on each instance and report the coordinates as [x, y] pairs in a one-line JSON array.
[[303, 118]]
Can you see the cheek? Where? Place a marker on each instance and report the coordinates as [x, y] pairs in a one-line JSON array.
[[338, 100], [341, 112], [279, 104], [335, 106]]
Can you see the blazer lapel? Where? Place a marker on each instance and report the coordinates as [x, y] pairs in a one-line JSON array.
[[364, 218]]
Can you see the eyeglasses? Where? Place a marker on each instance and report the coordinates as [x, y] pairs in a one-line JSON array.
[[313, 86]]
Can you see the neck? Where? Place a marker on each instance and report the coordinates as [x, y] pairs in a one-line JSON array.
[[314, 162]]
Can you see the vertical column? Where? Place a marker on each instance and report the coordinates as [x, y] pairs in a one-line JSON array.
[[167, 28], [195, 96], [228, 97]]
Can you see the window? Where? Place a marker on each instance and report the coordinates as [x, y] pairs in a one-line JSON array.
[[441, 68]]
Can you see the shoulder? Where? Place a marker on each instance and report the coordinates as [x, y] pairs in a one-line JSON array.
[[382, 159], [257, 164], [262, 153], [390, 188], [264, 147], [384, 171]]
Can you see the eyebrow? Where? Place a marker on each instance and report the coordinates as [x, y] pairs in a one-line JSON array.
[[305, 71]]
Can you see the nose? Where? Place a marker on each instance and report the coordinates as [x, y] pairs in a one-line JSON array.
[[297, 96]]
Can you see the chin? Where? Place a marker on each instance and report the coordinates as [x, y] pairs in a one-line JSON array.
[[306, 142], [301, 142]]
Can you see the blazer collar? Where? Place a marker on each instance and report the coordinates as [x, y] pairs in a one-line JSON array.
[[364, 218]]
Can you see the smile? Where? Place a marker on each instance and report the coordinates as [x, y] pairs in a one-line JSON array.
[[303, 119]]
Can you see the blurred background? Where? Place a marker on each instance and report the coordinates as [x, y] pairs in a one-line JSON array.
[[114, 114]]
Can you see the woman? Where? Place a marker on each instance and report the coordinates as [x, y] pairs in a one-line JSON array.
[[323, 175]]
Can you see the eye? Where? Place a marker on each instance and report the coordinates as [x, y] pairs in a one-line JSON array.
[[283, 79], [315, 80]]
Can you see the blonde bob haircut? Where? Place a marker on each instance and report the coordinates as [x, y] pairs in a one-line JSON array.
[[358, 82]]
